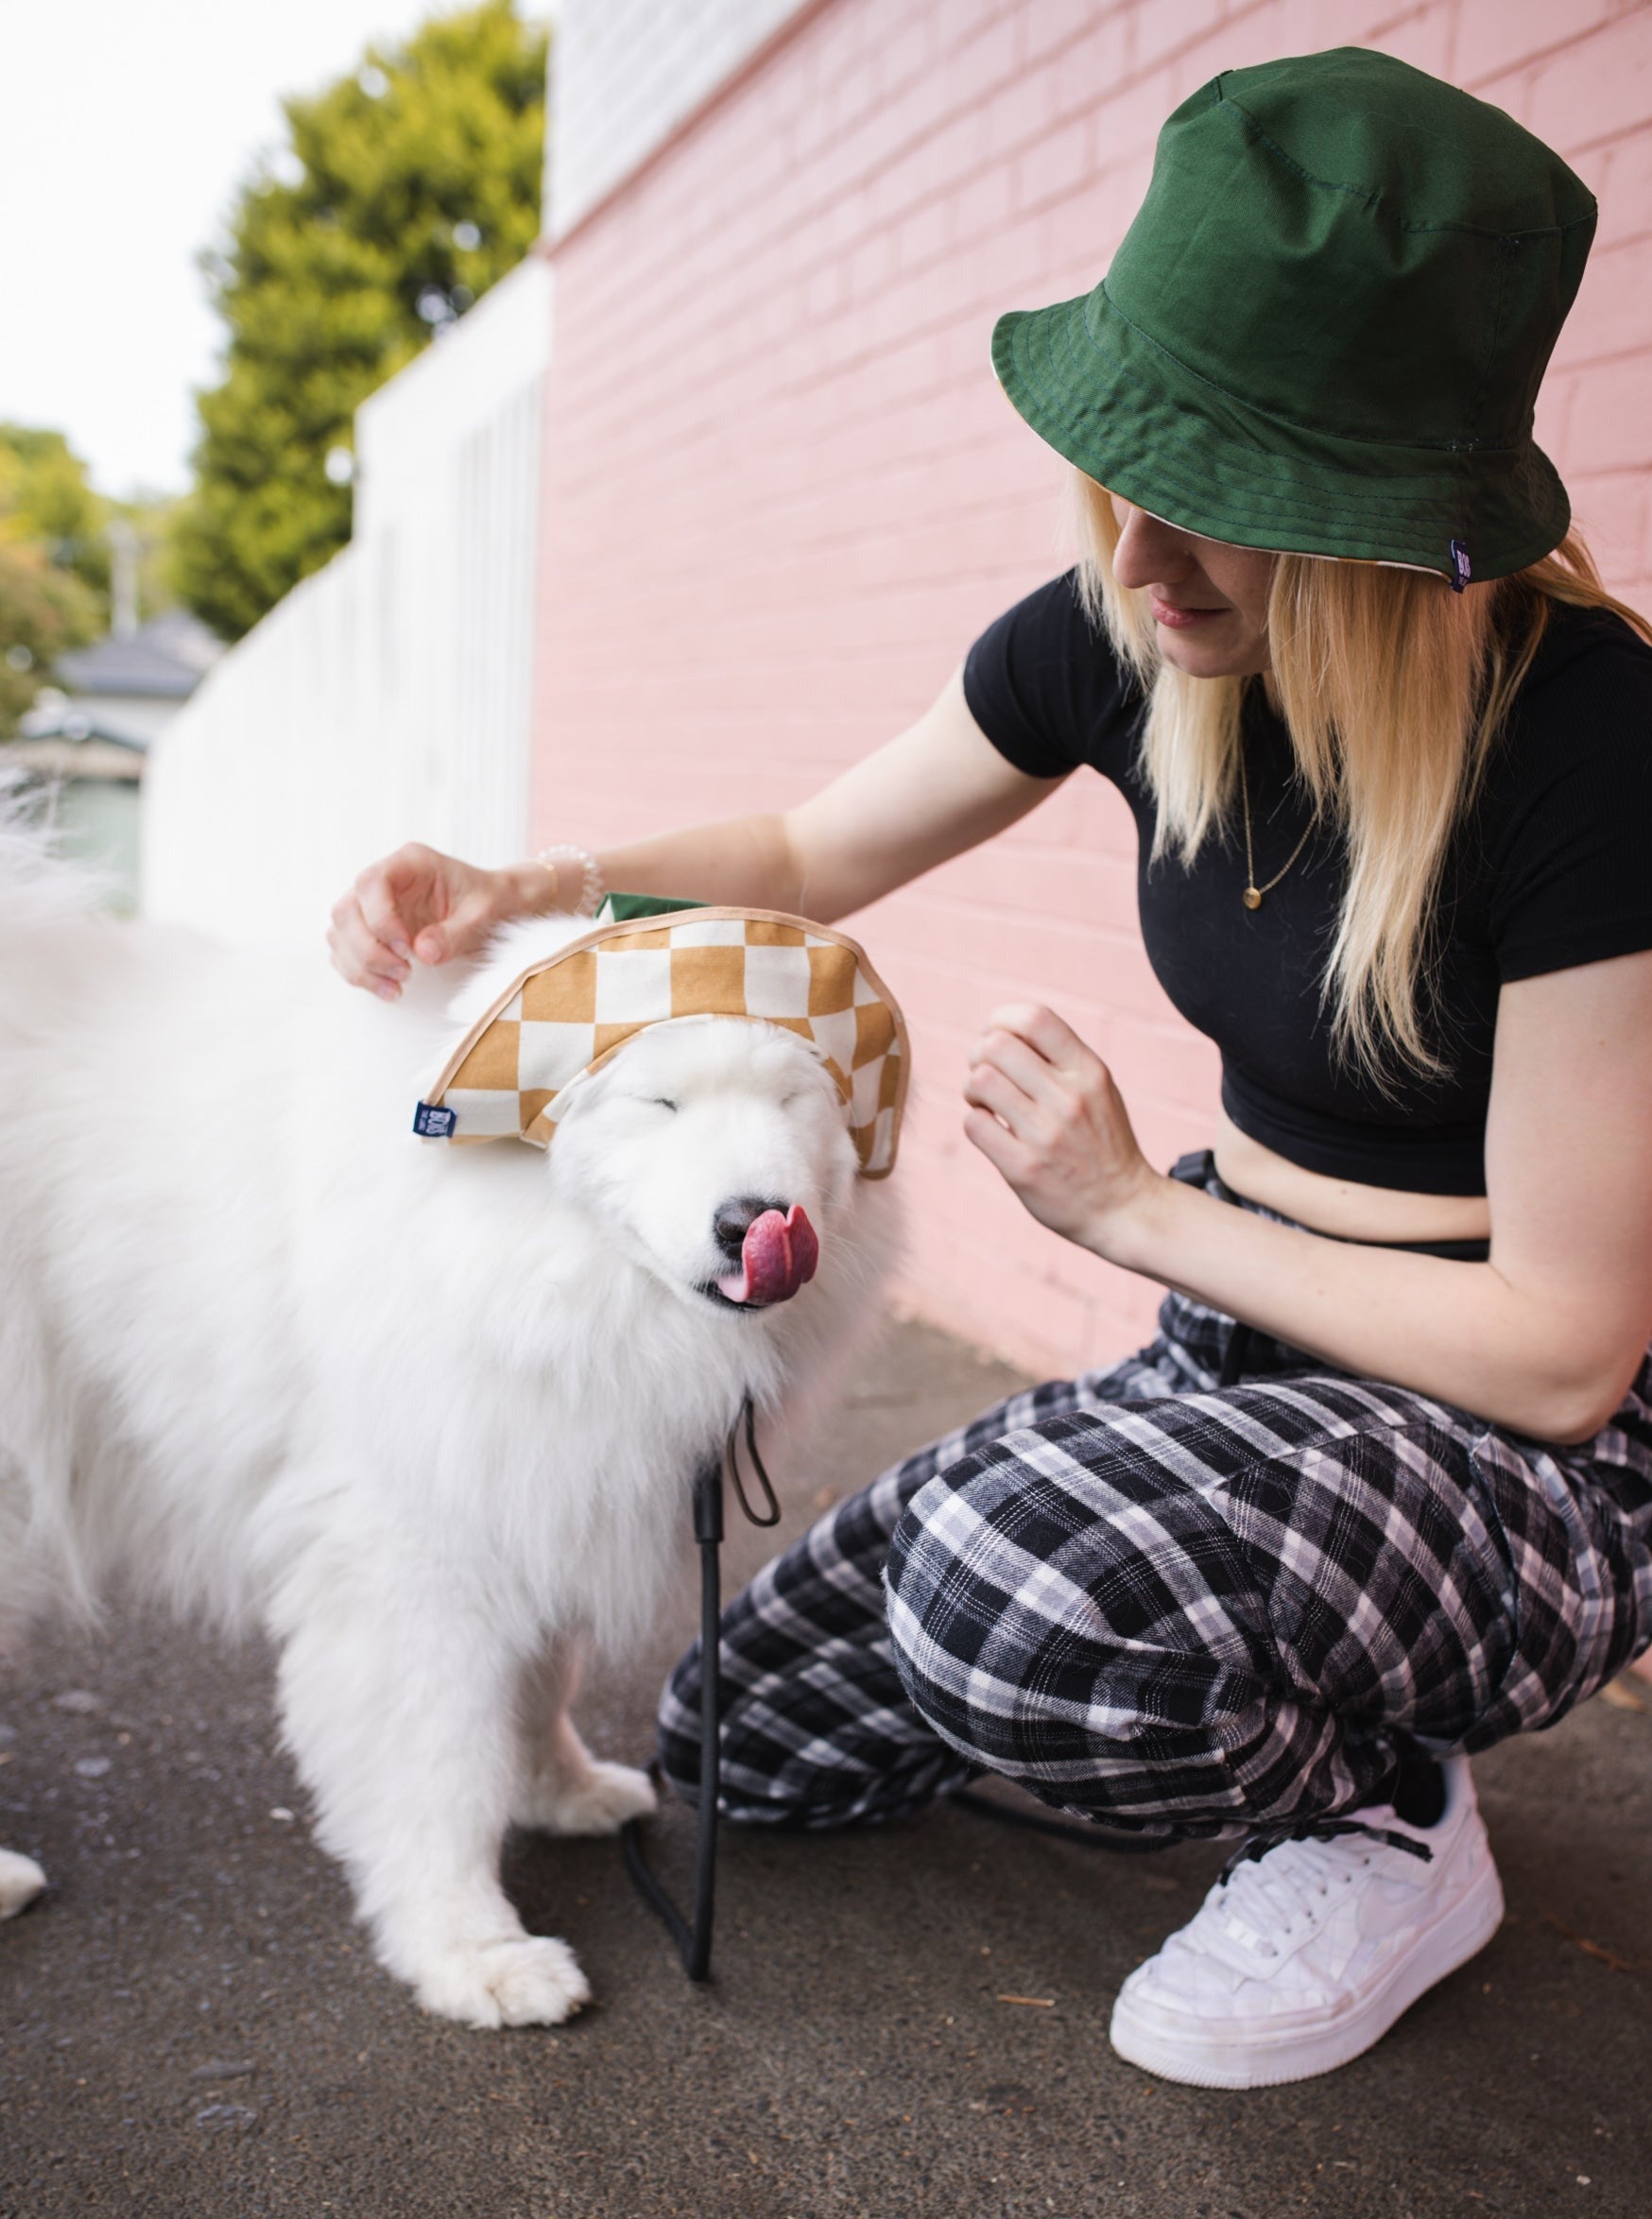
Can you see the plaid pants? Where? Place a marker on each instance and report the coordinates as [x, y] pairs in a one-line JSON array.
[[1181, 1609]]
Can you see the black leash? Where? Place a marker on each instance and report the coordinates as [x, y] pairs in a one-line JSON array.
[[693, 1942], [747, 1419], [694, 1938], [1087, 1837]]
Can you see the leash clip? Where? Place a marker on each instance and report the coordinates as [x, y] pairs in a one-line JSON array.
[[747, 1419]]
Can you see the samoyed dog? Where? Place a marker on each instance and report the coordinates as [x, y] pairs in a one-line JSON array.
[[428, 1415]]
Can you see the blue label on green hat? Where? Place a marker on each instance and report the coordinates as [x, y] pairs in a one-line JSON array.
[[1462, 569]]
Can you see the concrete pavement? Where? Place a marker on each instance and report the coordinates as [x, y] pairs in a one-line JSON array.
[[190, 2023]]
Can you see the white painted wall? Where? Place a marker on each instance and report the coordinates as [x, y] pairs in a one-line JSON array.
[[390, 696], [626, 73]]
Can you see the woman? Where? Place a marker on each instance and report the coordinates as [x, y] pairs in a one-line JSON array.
[[1271, 1578]]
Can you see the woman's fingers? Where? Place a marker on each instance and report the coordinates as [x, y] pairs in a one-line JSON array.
[[416, 905], [1048, 1035], [358, 955], [381, 915], [988, 1088], [475, 913], [406, 897], [1008, 1156], [1034, 1074], [1045, 1112]]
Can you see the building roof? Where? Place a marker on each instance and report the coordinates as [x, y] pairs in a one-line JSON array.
[[98, 757], [166, 659]]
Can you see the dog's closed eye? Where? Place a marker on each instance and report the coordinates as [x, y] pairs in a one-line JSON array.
[[663, 1102]]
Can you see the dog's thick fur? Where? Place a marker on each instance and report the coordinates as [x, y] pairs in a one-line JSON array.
[[428, 1414]]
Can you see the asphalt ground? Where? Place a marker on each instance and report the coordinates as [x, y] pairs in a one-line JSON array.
[[191, 2024]]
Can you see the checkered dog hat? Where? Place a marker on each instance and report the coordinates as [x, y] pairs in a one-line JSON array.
[[519, 1065]]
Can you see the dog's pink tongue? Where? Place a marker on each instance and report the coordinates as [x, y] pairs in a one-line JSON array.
[[806, 1245], [777, 1256]]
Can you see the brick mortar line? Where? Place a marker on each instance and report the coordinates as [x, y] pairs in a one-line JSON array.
[[1006, 157], [1543, 57], [777, 239], [726, 90], [1589, 362], [1121, 87]]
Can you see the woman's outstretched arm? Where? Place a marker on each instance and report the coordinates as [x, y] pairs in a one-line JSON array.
[[939, 788]]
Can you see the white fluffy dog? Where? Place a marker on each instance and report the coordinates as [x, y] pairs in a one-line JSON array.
[[430, 1415]]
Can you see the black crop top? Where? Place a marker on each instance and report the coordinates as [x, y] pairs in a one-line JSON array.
[[1551, 867]]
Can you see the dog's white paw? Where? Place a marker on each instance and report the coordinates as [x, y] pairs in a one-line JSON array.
[[20, 1881], [599, 1803], [530, 1982]]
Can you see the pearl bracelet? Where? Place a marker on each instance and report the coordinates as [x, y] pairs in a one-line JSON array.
[[591, 881]]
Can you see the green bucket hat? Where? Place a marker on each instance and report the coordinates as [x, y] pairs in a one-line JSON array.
[[1325, 330]]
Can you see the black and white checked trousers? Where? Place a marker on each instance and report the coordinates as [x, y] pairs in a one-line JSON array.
[[1181, 1609]]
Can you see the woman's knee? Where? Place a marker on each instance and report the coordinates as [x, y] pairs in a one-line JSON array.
[[1034, 1624], [973, 1659]]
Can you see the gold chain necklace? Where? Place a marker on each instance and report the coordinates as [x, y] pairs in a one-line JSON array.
[[1252, 895]]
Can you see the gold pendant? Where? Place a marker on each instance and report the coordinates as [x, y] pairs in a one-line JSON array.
[[1250, 898]]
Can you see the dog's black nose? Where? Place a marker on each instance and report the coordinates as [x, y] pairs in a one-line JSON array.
[[730, 1219]]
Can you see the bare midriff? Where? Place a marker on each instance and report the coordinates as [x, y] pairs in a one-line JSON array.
[[1342, 1205]]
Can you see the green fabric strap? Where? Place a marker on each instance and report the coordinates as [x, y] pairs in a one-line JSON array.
[[621, 908]]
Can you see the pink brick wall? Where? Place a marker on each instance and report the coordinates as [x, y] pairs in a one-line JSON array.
[[784, 492]]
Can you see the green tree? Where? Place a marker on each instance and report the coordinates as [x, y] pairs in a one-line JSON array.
[[54, 561], [43, 608], [406, 191], [46, 502]]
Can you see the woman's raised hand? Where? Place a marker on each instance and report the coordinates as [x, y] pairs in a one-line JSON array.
[[1047, 1115], [417, 907]]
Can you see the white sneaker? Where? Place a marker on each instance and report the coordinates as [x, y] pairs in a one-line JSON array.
[[1307, 1955]]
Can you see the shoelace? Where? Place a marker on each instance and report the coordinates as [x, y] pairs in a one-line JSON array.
[[1257, 1845], [1267, 1901]]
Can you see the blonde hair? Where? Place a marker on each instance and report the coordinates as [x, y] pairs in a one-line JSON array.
[[1393, 689]]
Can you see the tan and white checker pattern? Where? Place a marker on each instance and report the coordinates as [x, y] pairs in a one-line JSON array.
[[511, 1076]]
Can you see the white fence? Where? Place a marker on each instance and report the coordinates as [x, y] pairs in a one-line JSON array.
[[390, 696]]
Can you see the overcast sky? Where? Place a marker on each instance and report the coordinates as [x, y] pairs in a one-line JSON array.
[[127, 125]]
